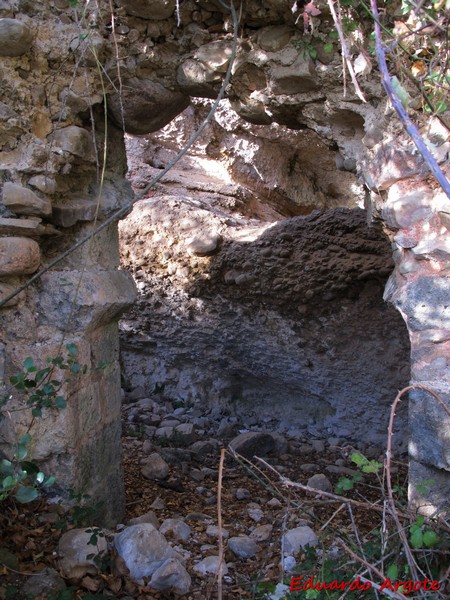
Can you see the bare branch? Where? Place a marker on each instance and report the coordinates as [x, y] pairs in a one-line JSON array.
[[398, 106]]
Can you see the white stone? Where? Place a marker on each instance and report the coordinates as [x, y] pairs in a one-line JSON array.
[[143, 549], [210, 564], [155, 467], [298, 538], [171, 575], [176, 528], [74, 549], [243, 546]]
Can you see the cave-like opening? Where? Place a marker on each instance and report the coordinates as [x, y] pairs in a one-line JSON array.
[[261, 283]]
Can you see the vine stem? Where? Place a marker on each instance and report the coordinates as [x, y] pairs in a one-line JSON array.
[[398, 106], [345, 52], [219, 523], [401, 531]]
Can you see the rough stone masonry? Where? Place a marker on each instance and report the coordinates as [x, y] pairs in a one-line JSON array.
[[62, 167]]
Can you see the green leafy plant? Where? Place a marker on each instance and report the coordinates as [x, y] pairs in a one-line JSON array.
[[422, 536], [346, 484], [19, 476]]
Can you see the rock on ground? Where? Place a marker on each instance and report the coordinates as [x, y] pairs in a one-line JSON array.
[[143, 549]]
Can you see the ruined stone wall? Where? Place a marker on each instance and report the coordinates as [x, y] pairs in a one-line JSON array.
[[416, 212], [60, 62], [55, 186]]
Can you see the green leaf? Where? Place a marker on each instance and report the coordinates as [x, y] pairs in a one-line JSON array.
[[359, 459], [28, 364], [41, 374], [6, 466], [72, 349], [312, 52], [75, 368], [420, 520], [25, 439], [36, 411], [372, 467], [49, 481], [22, 452], [25, 494], [416, 539], [8, 483], [431, 538], [60, 402], [392, 572], [344, 485], [48, 389], [328, 48], [40, 477]]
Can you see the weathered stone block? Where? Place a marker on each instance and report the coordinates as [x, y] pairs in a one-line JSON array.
[[428, 489], [430, 426], [21, 227], [146, 106], [196, 80], [23, 201], [407, 203], [47, 185], [19, 256], [76, 141], [273, 39], [425, 303], [294, 79], [215, 55], [101, 298], [76, 209], [15, 37], [205, 245], [392, 163]]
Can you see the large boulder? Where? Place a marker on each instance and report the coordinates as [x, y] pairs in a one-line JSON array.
[[146, 106]]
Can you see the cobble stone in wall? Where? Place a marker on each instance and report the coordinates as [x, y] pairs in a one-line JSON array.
[[18, 256]]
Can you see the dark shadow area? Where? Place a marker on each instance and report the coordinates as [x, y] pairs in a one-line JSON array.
[[289, 328]]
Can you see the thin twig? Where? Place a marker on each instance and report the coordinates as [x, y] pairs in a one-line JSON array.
[[398, 106], [306, 488], [370, 567], [345, 51], [401, 531], [219, 523], [338, 510]]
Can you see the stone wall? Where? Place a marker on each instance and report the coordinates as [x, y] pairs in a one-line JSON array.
[[55, 186], [60, 62], [416, 212]]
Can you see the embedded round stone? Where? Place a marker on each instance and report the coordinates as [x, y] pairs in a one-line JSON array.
[[204, 245], [19, 256], [15, 37]]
